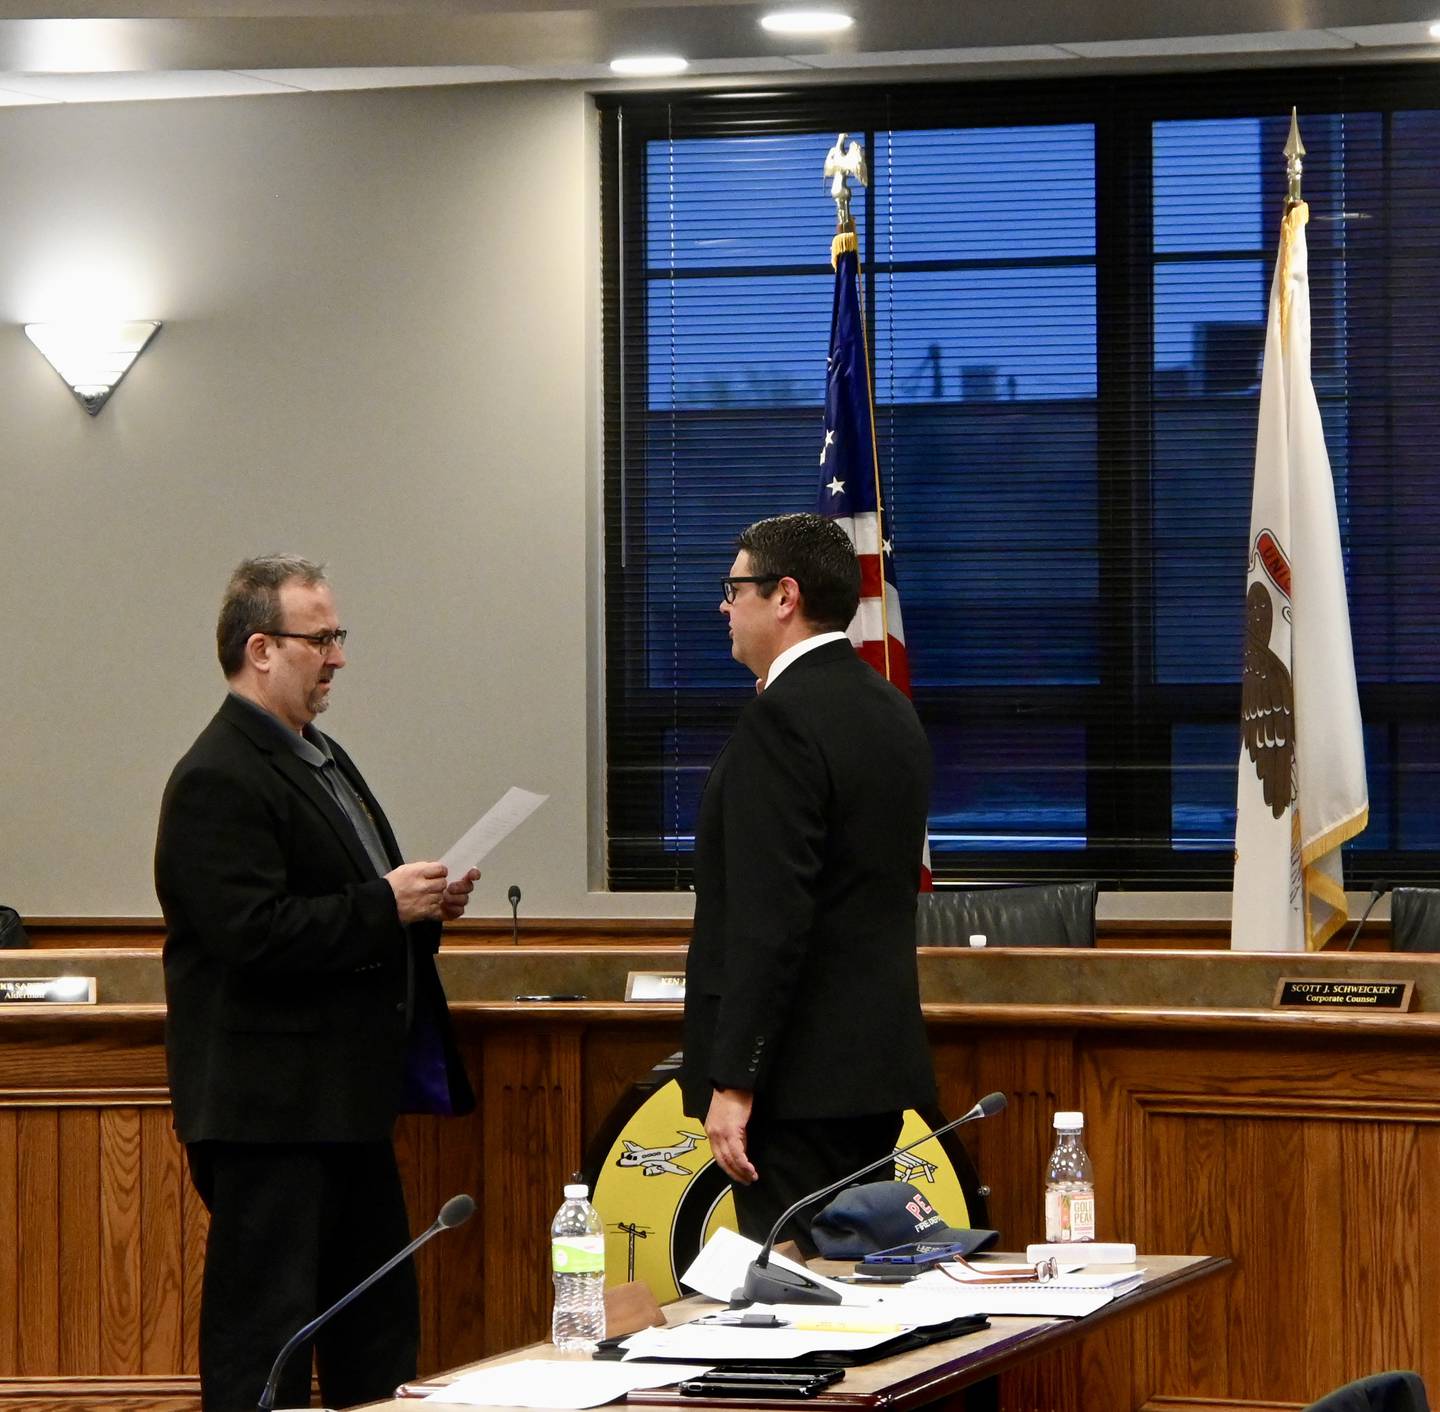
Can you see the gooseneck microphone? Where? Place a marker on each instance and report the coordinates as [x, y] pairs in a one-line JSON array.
[[514, 898], [454, 1212], [1376, 893], [764, 1285]]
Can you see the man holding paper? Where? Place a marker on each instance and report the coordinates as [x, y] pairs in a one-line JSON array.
[[804, 1041], [304, 1008]]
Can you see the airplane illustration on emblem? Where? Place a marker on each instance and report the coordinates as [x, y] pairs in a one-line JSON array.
[[913, 1169], [655, 1161]]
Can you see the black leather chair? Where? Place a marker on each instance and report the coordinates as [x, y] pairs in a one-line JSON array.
[[12, 933], [1055, 914], [1415, 919], [1380, 1392]]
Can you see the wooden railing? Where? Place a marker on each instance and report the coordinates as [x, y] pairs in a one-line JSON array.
[[72, 932]]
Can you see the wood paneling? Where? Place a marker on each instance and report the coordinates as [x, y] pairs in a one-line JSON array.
[[91, 1283], [531, 1140], [80, 1216], [37, 1186], [1308, 1164]]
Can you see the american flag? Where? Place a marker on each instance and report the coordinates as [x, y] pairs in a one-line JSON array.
[[850, 483], [850, 479]]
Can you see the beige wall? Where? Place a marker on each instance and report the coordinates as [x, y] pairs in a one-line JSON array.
[[378, 346]]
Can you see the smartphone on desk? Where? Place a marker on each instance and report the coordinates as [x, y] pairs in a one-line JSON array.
[[761, 1382], [914, 1256]]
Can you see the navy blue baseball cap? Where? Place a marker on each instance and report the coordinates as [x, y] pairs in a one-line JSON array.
[[878, 1215]]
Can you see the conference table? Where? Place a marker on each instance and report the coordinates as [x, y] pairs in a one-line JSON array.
[[942, 1372]]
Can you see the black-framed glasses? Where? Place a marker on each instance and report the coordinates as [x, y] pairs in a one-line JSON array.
[[324, 641], [728, 585]]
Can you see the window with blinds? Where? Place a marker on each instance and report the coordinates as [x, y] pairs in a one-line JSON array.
[[1066, 293]]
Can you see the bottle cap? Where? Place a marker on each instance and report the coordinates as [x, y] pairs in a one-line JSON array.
[[978, 938], [576, 1191], [1068, 1120]]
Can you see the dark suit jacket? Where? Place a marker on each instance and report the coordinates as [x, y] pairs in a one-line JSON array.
[[801, 982], [285, 961]]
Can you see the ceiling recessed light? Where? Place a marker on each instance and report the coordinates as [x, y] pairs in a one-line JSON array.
[[1435, 30], [649, 65], [806, 22]]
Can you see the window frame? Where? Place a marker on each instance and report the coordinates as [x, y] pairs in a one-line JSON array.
[[1128, 715]]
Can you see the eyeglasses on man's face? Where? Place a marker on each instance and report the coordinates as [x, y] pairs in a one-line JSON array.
[[322, 641], [730, 586]]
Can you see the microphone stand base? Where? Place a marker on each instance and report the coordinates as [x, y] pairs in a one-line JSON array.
[[773, 1284]]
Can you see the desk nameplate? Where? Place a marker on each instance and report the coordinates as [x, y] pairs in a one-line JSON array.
[[654, 985], [47, 990], [1301, 993]]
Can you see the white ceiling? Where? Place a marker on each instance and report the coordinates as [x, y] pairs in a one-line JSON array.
[[84, 51]]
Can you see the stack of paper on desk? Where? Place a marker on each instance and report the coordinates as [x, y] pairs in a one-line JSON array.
[[561, 1383], [802, 1330], [1070, 1297], [932, 1298]]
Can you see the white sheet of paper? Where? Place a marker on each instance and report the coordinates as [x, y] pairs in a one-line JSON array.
[[498, 823], [924, 1304], [1110, 1279], [571, 1383], [719, 1270]]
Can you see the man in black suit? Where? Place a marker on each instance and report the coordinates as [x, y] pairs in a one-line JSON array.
[[303, 1009], [804, 1040]]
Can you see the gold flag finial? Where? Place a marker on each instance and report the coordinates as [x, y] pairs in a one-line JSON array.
[[841, 164], [1294, 151]]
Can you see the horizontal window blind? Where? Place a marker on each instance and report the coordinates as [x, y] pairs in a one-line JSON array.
[[1066, 289]]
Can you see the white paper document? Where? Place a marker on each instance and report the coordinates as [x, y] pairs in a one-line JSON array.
[[571, 1383], [935, 1297], [498, 823], [719, 1270]]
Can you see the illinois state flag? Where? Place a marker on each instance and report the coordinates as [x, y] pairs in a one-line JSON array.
[[850, 483], [1302, 789]]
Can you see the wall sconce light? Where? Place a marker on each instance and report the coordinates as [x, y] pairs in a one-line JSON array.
[[92, 357]]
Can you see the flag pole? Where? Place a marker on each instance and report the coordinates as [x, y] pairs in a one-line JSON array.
[[842, 163], [849, 492], [1297, 213], [1294, 151], [1303, 752]]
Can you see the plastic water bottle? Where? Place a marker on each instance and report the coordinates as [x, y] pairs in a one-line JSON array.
[[577, 1259], [1069, 1183]]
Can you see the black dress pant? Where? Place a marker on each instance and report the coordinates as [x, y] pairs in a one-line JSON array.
[[292, 1228], [794, 1156]]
